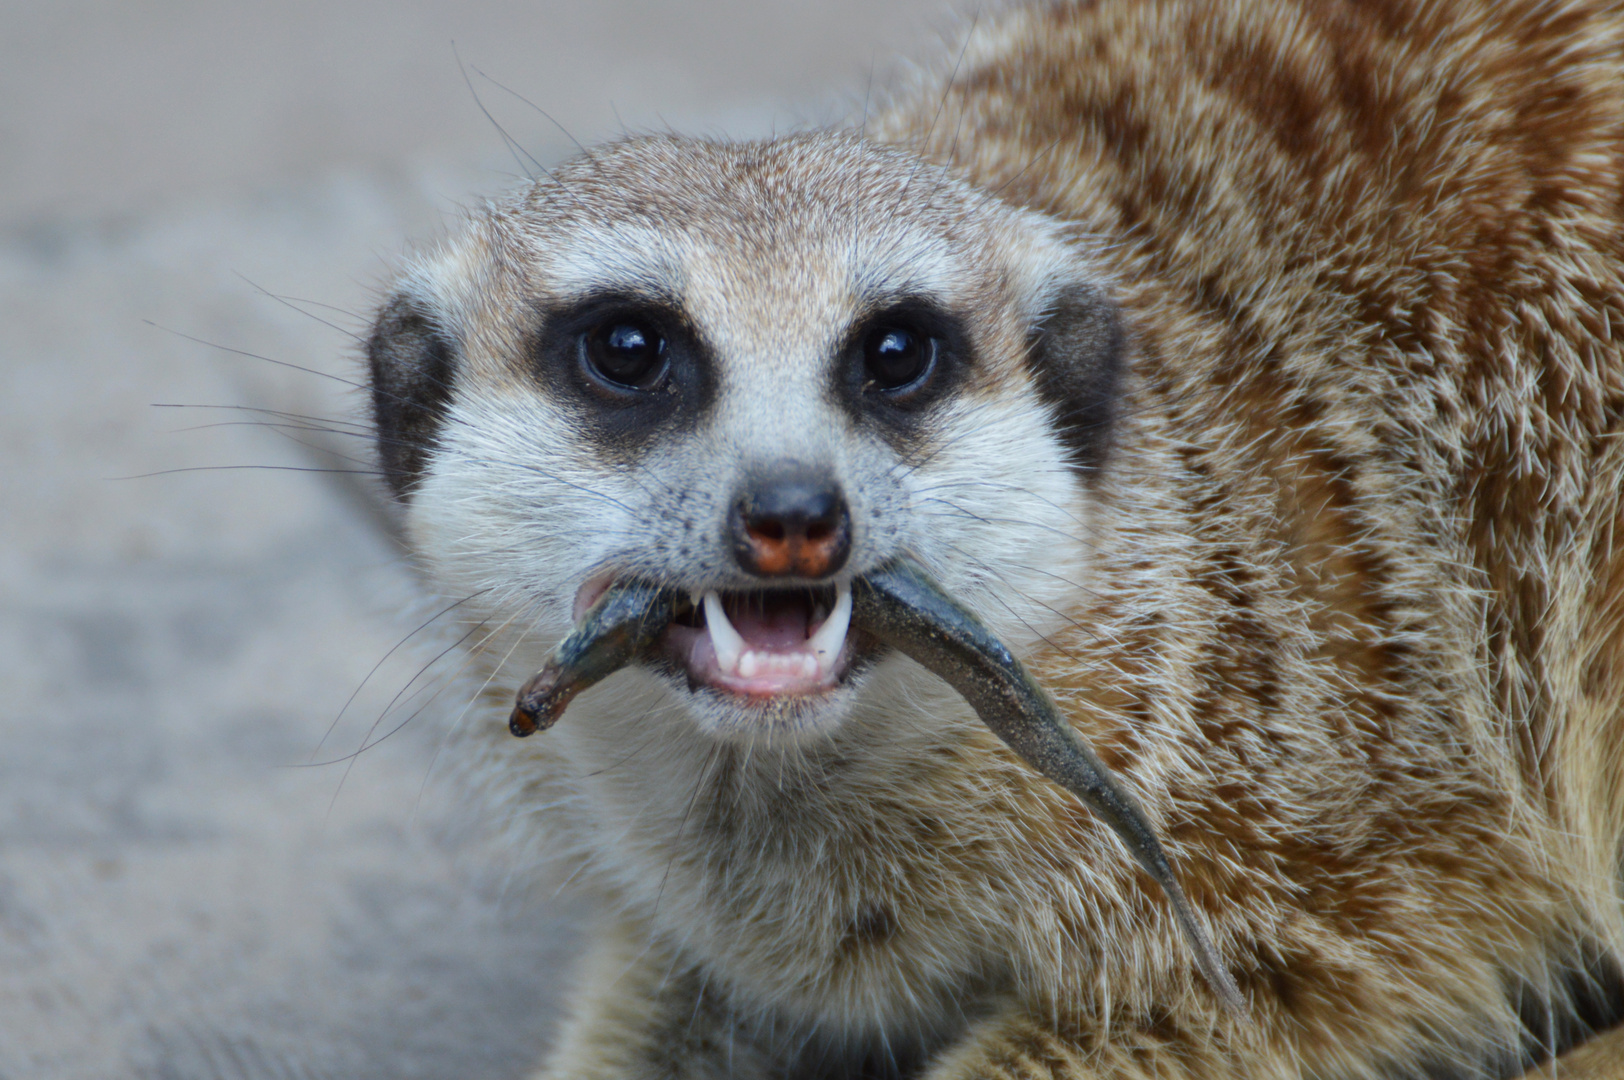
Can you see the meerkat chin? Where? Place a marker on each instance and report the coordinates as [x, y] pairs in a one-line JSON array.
[[1216, 409]]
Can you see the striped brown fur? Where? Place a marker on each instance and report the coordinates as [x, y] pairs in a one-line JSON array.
[[1372, 255], [1352, 629]]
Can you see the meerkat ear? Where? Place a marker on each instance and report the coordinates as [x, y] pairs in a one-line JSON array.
[[413, 362], [1075, 357]]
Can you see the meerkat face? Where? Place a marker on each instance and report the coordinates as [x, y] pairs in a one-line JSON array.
[[754, 372]]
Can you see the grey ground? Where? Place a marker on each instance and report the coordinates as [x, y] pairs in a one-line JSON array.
[[179, 895]]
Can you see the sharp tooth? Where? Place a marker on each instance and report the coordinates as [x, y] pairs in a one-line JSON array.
[[826, 643], [724, 639]]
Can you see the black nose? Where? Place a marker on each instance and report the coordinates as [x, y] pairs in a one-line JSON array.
[[791, 525]]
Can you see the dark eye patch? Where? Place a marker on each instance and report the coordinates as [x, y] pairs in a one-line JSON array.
[[412, 362], [628, 367], [1076, 356]]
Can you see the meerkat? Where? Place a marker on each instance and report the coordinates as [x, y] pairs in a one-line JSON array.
[[1250, 373]]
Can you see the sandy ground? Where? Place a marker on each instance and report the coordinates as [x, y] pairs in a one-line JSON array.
[[180, 895]]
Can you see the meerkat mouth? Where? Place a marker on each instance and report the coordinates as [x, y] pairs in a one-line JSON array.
[[787, 642], [769, 643], [756, 643]]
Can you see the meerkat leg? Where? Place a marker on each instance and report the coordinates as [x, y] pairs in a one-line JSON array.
[[1019, 1046], [1015, 1046], [640, 1015], [1602, 1058]]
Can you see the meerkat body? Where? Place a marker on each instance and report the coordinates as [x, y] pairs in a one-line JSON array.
[[1252, 370]]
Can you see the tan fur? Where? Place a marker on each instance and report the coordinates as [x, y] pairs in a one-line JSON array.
[[1602, 1058], [1376, 251], [1353, 623]]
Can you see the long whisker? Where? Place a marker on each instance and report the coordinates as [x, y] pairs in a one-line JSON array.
[[368, 742], [363, 432], [359, 428], [351, 383], [287, 431], [430, 621], [676, 843], [287, 303], [273, 425], [638, 749], [930, 491], [544, 113], [1007, 606], [947, 92], [509, 141], [230, 468], [1033, 160], [513, 145], [473, 699], [989, 520], [442, 654]]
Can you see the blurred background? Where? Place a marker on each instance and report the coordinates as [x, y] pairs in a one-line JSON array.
[[193, 197]]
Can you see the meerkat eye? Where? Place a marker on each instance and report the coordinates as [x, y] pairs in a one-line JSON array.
[[897, 357], [626, 353]]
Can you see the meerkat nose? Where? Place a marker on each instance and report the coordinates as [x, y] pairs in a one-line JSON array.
[[792, 525]]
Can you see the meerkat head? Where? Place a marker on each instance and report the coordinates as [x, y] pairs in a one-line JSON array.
[[752, 372]]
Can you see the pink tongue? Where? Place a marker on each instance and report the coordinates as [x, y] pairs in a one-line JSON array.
[[780, 627]]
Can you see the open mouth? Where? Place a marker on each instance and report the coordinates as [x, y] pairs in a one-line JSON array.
[[764, 643], [773, 644]]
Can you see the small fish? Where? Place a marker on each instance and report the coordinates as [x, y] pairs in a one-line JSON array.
[[899, 605], [615, 632]]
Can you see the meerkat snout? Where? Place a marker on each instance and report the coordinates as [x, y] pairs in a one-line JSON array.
[[791, 522]]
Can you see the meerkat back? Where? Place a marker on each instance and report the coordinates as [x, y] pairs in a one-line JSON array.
[[1248, 376]]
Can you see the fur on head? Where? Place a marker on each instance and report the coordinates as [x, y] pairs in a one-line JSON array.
[[767, 285]]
